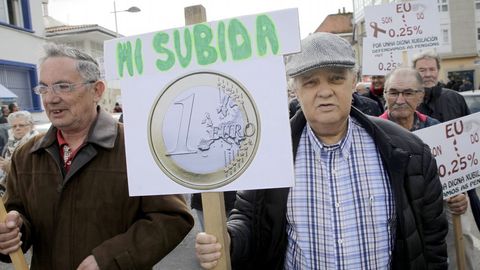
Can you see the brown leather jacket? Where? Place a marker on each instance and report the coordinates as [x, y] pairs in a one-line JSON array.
[[67, 217]]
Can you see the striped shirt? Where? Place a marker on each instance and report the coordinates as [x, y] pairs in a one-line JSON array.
[[340, 214]]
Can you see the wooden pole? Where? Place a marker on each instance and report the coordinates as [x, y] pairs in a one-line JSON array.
[[18, 260], [459, 246], [212, 202], [216, 224], [404, 59]]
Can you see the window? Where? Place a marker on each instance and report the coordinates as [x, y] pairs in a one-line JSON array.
[[19, 78], [477, 4], [15, 13], [478, 34], [442, 5], [97, 49], [76, 44], [445, 36]]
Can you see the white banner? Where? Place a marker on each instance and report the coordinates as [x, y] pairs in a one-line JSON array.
[[456, 147], [379, 63], [403, 26]]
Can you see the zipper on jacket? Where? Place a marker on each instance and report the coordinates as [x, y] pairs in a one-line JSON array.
[[59, 189]]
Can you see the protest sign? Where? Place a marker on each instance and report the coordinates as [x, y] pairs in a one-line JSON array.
[[456, 147], [205, 105], [379, 63], [395, 28]]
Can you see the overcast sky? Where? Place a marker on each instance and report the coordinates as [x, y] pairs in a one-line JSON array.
[[161, 15]]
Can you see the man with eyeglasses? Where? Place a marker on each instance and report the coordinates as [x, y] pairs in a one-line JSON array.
[[403, 92], [67, 192]]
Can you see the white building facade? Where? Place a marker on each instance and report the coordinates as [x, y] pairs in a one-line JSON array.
[[21, 41]]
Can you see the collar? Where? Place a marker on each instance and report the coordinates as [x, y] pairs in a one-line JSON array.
[[376, 91], [422, 117], [103, 132], [60, 139], [417, 119], [343, 145]]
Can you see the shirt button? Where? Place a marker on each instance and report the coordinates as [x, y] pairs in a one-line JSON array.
[[69, 163], [337, 204], [340, 241], [334, 172]]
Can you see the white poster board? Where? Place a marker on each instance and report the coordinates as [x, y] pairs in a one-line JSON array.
[[456, 147], [396, 27], [205, 106], [379, 63]]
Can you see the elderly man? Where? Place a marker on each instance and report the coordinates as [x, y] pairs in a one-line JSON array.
[[445, 104], [366, 194], [403, 93], [67, 191], [440, 103]]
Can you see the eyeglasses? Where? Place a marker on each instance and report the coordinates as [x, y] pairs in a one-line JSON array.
[[407, 93], [20, 126], [58, 88]]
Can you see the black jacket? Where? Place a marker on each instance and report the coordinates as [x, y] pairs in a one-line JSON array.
[[378, 99], [258, 221], [366, 105], [443, 104]]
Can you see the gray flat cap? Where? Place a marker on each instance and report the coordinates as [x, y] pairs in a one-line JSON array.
[[320, 50]]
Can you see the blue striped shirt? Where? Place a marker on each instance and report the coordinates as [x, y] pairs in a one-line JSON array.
[[340, 214]]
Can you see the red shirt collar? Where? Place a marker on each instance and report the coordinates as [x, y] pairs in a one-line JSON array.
[[60, 139]]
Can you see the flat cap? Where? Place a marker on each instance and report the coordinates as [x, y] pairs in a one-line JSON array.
[[320, 50]]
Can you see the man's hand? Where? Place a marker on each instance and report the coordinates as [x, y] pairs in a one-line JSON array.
[[208, 250], [458, 204], [89, 264], [3, 163], [10, 236]]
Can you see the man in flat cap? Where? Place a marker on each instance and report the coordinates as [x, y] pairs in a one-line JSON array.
[[366, 194]]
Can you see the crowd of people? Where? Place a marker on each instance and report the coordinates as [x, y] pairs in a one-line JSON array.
[[367, 194]]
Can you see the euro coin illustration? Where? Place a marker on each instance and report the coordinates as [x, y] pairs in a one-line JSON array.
[[204, 130]]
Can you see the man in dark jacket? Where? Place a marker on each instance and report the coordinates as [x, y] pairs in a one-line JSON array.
[[444, 105], [366, 105], [366, 194]]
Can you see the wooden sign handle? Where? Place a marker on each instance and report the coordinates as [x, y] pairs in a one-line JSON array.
[[404, 59], [17, 257], [459, 246], [216, 224], [212, 202]]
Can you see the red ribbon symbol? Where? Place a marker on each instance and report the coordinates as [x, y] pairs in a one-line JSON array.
[[376, 29]]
